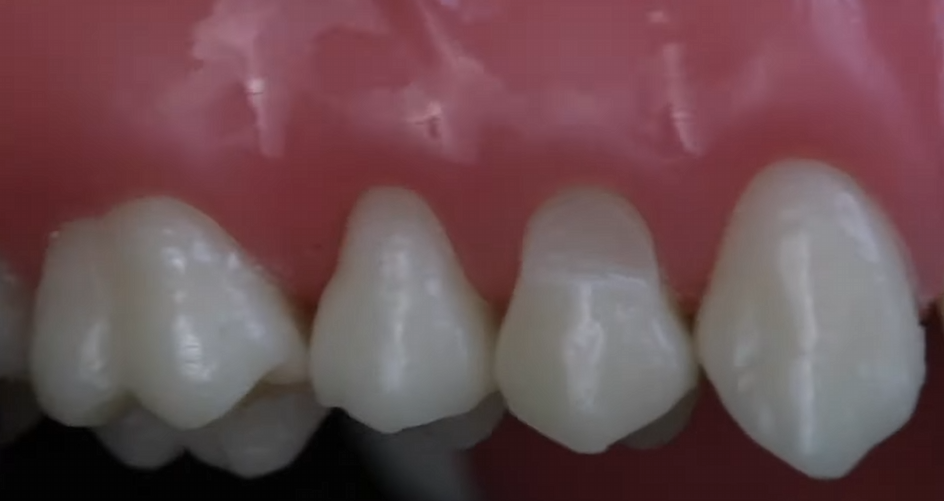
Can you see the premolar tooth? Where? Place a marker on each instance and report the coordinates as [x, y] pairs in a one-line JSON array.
[[202, 325], [261, 436], [400, 339], [591, 350], [140, 439], [809, 330], [73, 360]]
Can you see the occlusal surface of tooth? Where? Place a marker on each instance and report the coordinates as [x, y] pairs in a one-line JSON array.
[[260, 436], [156, 302], [401, 339], [591, 350], [809, 330]]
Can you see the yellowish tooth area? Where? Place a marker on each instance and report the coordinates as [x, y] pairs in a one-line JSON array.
[[153, 328]]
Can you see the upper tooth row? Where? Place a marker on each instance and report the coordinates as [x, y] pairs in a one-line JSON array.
[[809, 330]]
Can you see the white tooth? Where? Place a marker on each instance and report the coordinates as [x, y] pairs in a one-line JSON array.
[[467, 430], [141, 440], [591, 350], [201, 324], [19, 411], [262, 436], [401, 339], [73, 359], [809, 330], [663, 430], [14, 313]]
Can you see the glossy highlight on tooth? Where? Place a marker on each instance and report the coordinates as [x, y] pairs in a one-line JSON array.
[[810, 330]]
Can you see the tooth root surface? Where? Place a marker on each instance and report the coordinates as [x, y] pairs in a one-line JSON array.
[[261, 436], [141, 440], [14, 320], [809, 330], [591, 350], [401, 339], [201, 324], [73, 360]]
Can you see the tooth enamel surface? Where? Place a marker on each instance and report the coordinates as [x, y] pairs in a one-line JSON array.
[[201, 324], [400, 339], [809, 330], [262, 436], [141, 440], [663, 430], [14, 313], [465, 431], [590, 349], [73, 360]]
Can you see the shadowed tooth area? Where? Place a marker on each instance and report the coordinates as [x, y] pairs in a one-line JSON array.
[[464, 431], [201, 323], [663, 430], [141, 440], [401, 339], [74, 360], [809, 330], [19, 411], [590, 349], [14, 324], [261, 436]]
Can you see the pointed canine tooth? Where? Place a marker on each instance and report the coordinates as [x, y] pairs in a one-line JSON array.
[[202, 324], [14, 313], [401, 339], [591, 350], [809, 330], [262, 436], [73, 358], [663, 430], [141, 440], [465, 431]]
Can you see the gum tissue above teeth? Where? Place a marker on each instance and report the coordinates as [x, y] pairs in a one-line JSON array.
[[155, 302], [401, 339], [256, 438], [591, 350], [810, 330]]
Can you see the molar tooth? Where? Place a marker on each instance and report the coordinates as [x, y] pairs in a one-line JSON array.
[[261, 436], [591, 350], [141, 440], [73, 358], [201, 324], [401, 339], [809, 330]]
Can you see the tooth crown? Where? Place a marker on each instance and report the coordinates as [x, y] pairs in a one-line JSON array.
[[155, 301], [809, 330], [590, 350], [401, 339]]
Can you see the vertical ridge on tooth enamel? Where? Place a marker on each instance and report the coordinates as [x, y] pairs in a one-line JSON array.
[[14, 320], [73, 360], [141, 440], [590, 349], [809, 330], [400, 339], [262, 436], [202, 325]]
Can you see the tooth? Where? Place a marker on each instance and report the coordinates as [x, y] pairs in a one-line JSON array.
[[201, 324], [663, 430], [809, 330], [19, 411], [73, 360], [262, 436], [401, 339], [14, 312], [591, 350], [467, 430], [141, 440]]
